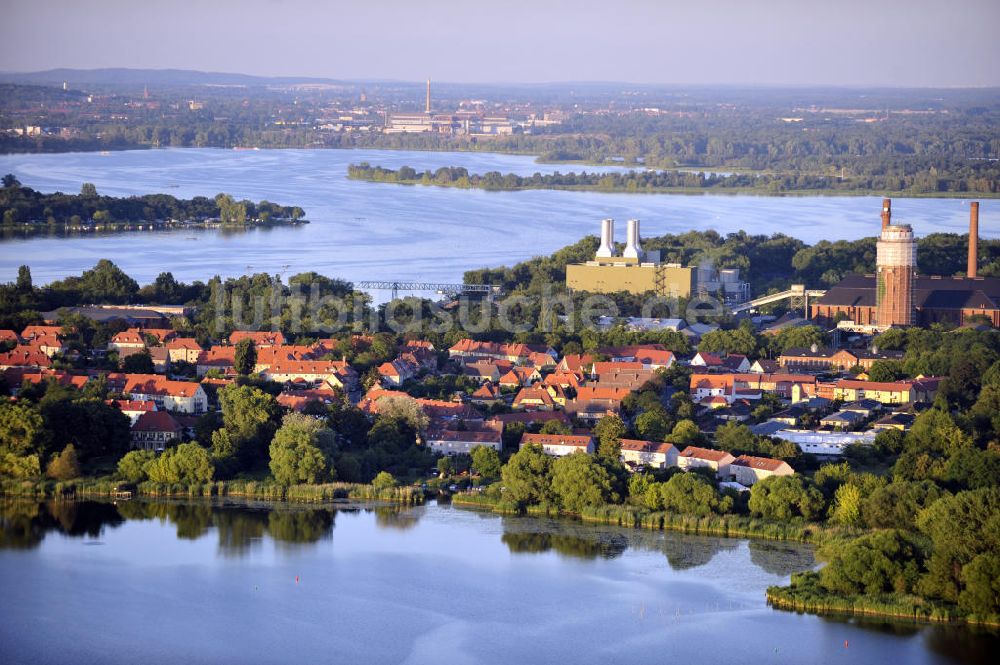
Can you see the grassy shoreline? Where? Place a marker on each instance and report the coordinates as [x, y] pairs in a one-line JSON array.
[[726, 526], [804, 595], [243, 489]]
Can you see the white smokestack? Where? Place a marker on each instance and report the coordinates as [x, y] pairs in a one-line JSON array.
[[607, 248], [633, 250]]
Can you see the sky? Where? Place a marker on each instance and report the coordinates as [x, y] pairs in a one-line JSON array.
[[745, 42]]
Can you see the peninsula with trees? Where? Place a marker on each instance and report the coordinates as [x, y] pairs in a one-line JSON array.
[[24, 208], [684, 181]]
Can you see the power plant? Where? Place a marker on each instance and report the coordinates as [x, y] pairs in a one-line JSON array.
[[636, 270], [897, 296]]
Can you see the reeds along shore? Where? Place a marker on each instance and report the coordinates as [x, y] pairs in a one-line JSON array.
[[243, 489], [732, 526]]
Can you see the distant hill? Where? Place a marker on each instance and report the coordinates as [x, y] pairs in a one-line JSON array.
[[120, 76]]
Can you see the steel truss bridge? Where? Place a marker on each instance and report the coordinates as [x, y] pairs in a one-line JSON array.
[[798, 297], [438, 287]]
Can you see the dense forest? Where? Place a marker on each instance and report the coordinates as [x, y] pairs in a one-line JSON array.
[[23, 205]]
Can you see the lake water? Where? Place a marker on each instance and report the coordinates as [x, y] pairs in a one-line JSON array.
[[161, 582], [368, 231]]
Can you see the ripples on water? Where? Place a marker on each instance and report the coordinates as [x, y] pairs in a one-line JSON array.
[[363, 230]]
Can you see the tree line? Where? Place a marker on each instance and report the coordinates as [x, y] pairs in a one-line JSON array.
[[24, 205]]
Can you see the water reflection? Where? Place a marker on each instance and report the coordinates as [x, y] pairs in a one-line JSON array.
[[780, 558], [24, 524], [530, 535], [395, 517], [564, 544]]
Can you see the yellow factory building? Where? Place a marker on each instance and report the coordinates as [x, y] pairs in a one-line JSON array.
[[634, 271]]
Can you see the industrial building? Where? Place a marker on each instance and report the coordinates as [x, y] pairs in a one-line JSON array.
[[897, 296], [636, 270], [462, 122]]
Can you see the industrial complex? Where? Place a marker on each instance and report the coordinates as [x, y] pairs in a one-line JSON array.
[[897, 296], [636, 270]]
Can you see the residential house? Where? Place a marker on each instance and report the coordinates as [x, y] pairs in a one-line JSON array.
[[181, 396], [153, 430], [650, 454], [457, 442], [484, 371], [161, 359], [297, 400], [536, 398], [50, 345], [31, 332], [900, 421], [183, 349], [558, 445], [594, 402], [694, 457], [127, 342], [888, 392], [218, 358], [747, 469], [822, 359], [707, 360], [132, 408], [842, 420], [765, 366], [336, 373], [261, 339], [520, 376], [486, 395], [397, 372], [22, 356], [576, 364]]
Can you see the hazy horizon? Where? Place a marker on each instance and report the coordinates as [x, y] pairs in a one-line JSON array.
[[888, 43]]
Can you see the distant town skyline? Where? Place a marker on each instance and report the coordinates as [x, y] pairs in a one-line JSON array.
[[922, 43]]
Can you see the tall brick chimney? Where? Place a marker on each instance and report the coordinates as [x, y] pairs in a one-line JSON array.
[[886, 212], [973, 238]]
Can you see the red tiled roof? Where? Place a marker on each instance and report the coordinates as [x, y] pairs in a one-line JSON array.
[[156, 421], [640, 446], [131, 336], [575, 440], [532, 395], [25, 357], [763, 463], [153, 384], [186, 343], [219, 356], [131, 405], [7, 335], [705, 454], [260, 338]]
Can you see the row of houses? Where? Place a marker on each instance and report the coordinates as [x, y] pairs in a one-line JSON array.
[[728, 388], [636, 454]]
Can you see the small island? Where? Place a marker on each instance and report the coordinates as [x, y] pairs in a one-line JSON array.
[[23, 208], [671, 181]]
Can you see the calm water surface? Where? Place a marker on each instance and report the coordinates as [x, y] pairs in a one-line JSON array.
[[374, 231], [202, 583]]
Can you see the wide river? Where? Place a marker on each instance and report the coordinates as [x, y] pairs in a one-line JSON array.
[[148, 582], [367, 231]]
